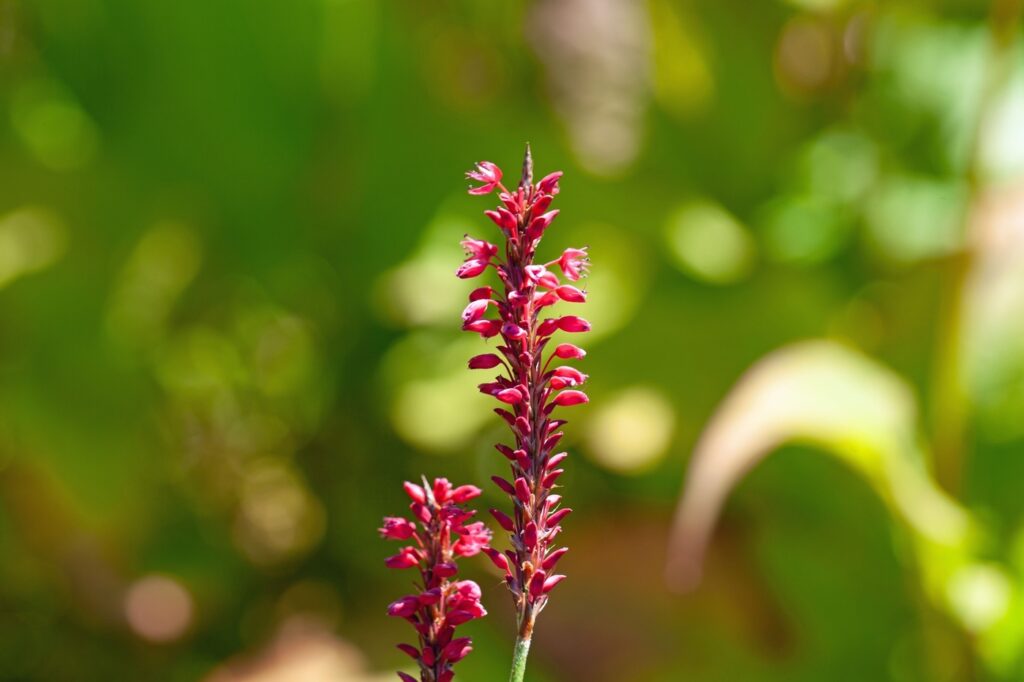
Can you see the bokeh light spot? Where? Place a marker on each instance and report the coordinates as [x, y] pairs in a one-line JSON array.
[[158, 608], [709, 244], [631, 432], [52, 125], [31, 239]]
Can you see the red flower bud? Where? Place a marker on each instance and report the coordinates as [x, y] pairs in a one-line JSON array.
[[567, 351], [571, 323], [471, 268], [571, 294], [522, 490], [553, 558], [485, 361], [568, 398], [503, 520], [415, 492]]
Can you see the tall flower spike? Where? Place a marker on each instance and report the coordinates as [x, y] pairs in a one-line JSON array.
[[530, 389], [440, 534]]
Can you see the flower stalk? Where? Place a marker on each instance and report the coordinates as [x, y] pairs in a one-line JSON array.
[[441, 603], [531, 383]]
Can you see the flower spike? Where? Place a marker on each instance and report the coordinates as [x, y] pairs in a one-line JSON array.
[[529, 389], [441, 604]]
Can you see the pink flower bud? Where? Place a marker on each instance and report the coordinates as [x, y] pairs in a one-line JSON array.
[[549, 183], [522, 490], [523, 459], [530, 536], [415, 493], [404, 607], [541, 203], [503, 219], [486, 361], [457, 649], [406, 677], [485, 328], [568, 398], [549, 583], [396, 528], [540, 275], [555, 518], [505, 486], [445, 570], [421, 512], [571, 323], [550, 479], [465, 493], [541, 223], [555, 460], [571, 373], [431, 596], [567, 351], [502, 518], [571, 294], [537, 583], [407, 557], [511, 396], [553, 558], [412, 651], [547, 327], [544, 299], [506, 451], [523, 425], [552, 440], [498, 558], [471, 268], [442, 488], [513, 331], [481, 293], [475, 310]]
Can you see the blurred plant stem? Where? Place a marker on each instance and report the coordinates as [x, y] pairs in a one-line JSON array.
[[949, 394]]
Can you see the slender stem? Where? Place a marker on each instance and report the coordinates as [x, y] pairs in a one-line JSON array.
[[526, 620], [522, 650], [949, 393]]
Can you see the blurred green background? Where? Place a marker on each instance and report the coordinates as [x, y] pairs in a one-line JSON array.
[[229, 330]]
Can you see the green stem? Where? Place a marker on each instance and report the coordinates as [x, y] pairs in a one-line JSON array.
[[522, 650]]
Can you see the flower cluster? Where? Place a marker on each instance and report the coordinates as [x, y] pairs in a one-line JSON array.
[[441, 603], [528, 385]]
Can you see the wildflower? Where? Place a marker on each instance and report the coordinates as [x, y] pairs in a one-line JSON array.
[[526, 387], [441, 604], [487, 173]]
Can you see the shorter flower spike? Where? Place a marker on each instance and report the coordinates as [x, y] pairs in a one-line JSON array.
[[441, 603]]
